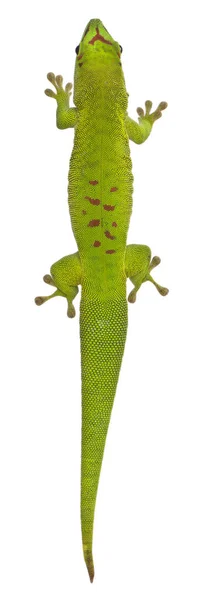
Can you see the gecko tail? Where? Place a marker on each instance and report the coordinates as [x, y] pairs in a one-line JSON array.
[[103, 328], [89, 561]]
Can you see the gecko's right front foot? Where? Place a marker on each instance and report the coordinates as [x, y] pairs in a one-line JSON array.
[[151, 116]]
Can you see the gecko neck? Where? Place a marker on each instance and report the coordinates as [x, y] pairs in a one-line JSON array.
[[101, 86]]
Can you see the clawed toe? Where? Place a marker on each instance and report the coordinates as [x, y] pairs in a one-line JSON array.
[[39, 300], [154, 262], [152, 117], [48, 279], [132, 296]]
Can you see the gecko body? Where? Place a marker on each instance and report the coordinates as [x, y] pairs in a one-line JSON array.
[[100, 204]]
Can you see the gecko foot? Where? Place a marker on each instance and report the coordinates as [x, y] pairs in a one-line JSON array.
[[163, 291], [154, 262], [147, 115], [132, 296], [48, 279], [57, 81], [39, 300], [138, 264]]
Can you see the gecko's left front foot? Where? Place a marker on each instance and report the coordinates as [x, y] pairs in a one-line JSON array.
[[61, 93], [147, 115], [138, 265], [65, 116]]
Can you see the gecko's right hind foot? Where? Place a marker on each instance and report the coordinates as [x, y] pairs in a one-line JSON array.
[[138, 265], [156, 260], [132, 296]]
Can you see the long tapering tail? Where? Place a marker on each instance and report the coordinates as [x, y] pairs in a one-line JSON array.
[[103, 327]]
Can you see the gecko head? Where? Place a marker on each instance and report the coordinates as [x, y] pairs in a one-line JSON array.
[[98, 61]]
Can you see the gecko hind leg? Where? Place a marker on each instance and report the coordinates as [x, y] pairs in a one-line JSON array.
[[138, 265], [65, 276]]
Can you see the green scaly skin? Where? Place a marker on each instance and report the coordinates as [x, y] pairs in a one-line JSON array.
[[100, 204]]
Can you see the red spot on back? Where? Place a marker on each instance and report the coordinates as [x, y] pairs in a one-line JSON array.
[[113, 189], [93, 182], [80, 64], [109, 236], [100, 37], [114, 224], [108, 207], [79, 56], [84, 212], [93, 200], [94, 223], [97, 243], [110, 251]]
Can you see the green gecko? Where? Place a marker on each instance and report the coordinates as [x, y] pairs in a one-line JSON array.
[[100, 204]]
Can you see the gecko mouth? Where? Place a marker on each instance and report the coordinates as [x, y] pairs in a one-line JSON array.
[[99, 37]]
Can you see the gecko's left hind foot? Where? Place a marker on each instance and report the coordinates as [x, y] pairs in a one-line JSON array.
[[48, 279], [39, 300], [65, 276]]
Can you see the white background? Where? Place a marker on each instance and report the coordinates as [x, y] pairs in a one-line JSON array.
[[147, 526]]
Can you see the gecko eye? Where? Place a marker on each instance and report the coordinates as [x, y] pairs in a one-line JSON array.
[[77, 49], [121, 48]]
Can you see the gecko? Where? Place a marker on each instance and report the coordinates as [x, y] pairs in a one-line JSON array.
[[100, 189]]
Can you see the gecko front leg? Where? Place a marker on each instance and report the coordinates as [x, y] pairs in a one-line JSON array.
[[138, 265], [65, 116], [65, 276], [139, 132]]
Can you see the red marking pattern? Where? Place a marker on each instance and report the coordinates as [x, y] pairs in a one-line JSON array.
[[84, 212], [114, 224], [100, 37], [110, 251], [94, 223], [109, 236], [93, 182], [113, 189], [80, 64], [108, 207], [95, 201], [97, 244], [79, 56]]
